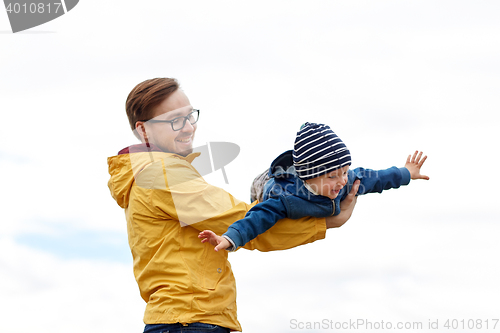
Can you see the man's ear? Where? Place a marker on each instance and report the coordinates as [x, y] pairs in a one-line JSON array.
[[140, 128]]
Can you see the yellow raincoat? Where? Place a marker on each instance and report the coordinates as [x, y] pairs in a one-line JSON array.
[[167, 203]]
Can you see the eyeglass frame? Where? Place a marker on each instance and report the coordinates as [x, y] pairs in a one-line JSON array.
[[186, 118]]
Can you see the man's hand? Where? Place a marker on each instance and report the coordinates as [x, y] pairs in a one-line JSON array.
[[346, 208], [219, 242], [414, 163]]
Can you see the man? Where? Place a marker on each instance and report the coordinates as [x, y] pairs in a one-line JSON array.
[[167, 203]]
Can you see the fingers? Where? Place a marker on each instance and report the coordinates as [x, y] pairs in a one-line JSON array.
[[352, 194], [205, 233], [413, 157], [421, 162], [347, 205], [355, 188], [416, 158]]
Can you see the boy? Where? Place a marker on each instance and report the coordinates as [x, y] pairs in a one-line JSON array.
[[311, 181]]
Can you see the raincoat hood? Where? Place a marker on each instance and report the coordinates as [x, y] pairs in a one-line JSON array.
[[124, 168]]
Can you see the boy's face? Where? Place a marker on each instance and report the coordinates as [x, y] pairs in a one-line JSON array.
[[330, 184]]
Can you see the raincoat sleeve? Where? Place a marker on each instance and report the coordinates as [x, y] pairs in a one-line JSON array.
[[183, 195]]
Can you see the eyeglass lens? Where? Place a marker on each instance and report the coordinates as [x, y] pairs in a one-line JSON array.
[[180, 122]]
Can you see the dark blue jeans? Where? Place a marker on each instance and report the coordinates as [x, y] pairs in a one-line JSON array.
[[190, 328]]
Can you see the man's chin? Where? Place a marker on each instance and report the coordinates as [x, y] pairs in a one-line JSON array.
[[185, 152]]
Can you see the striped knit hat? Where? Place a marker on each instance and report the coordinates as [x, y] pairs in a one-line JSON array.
[[318, 151]]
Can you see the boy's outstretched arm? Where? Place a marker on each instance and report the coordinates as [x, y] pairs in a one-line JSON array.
[[414, 163], [219, 242]]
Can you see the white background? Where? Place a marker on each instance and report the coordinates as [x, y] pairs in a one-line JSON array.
[[389, 77]]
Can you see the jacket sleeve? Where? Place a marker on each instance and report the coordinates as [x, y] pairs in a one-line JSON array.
[[179, 194], [379, 180], [258, 219], [373, 181]]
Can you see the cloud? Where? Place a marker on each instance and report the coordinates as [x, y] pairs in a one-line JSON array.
[[12, 158], [67, 241], [60, 295]]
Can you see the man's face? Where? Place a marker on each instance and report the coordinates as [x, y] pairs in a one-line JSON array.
[[329, 185], [162, 135]]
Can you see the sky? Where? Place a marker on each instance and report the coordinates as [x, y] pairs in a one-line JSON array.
[[389, 77]]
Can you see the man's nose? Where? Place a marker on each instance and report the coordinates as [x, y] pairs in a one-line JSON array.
[[188, 127]]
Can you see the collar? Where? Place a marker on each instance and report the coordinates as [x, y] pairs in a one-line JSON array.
[[149, 148], [309, 188], [139, 148]]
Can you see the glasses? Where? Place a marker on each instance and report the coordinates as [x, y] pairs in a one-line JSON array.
[[179, 122]]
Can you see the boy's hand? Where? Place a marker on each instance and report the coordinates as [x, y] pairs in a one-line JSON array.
[[414, 163], [219, 242]]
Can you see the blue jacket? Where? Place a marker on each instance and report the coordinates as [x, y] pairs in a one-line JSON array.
[[286, 196]]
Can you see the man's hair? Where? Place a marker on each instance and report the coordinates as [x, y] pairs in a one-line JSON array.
[[146, 96]]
